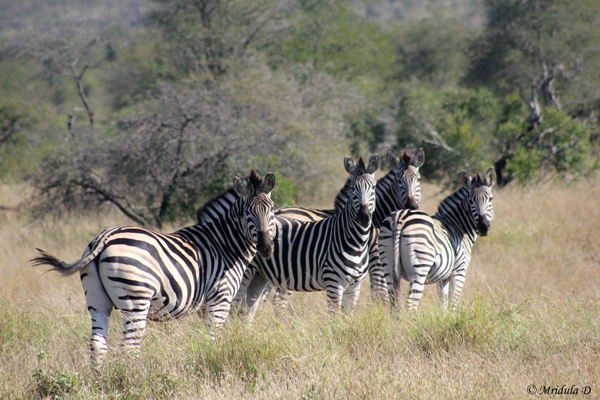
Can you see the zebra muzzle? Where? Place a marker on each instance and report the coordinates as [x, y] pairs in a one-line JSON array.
[[412, 203], [364, 215], [264, 244], [483, 227]]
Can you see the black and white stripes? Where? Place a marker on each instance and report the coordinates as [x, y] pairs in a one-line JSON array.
[[330, 254], [424, 249], [150, 275], [399, 189]]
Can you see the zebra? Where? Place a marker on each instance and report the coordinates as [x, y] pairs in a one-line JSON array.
[[328, 255], [399, 189], [150, 275], [424, 249]]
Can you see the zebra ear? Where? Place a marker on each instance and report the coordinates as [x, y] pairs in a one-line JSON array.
[[490, 177], [349, 165], [269, 183], [373, 164], [418, 159], [240, 186], [394, 162], [466, 179]]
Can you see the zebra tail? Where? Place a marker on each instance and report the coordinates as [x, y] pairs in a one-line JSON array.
[[65, 268]]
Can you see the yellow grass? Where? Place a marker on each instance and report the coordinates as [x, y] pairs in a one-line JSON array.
[[529, 315]]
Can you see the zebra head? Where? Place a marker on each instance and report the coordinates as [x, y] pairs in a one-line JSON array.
[[258, 219], [479, 199], [362, 185], [408, 179]]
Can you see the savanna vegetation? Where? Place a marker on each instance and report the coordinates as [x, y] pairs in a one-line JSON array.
[[138, 111], [529, 315]]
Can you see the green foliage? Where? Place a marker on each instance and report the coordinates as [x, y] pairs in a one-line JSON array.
[[330, 36], [559, 144], [288, 87], [431, 51], [367, 133], [537, 42], [453, 127], [57, 386]]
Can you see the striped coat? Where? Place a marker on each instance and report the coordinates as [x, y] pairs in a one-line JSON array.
[[424, 249], [151, 275], [329, 255]]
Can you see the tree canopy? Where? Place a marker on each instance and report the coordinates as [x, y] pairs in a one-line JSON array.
[[152, 106]]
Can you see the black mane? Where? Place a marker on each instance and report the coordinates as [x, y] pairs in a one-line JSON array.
[[254, 181], [225, 200]]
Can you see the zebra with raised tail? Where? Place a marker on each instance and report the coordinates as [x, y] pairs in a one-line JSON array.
[[329, 255], [399, 189], [150, 275], [424, 249]]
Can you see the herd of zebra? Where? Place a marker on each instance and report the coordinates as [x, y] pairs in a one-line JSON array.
[[375, 227]]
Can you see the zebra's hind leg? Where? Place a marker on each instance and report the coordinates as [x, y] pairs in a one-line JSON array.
[[99, 306], [415, 291], [443, 289], [377, 280], [134, 328]]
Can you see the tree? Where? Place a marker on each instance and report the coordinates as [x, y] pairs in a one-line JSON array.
[[534, 148], [453, 127], [431, 51], [202, 35], [544, 45], [70, 49], [183, 145]]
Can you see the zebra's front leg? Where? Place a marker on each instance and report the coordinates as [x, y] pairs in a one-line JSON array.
[[350, 297], [334, 297], [239, 301], [458, 281], [281, 300], [255, 292], [217, 310], [443, 289]]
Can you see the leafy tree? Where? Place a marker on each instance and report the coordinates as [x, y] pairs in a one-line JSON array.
[[558, 145], [431, 51], [202, 35], [547, 45], [453, 127]]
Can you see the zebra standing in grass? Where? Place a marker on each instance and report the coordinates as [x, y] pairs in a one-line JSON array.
[[150, 275], [424, 249], [330, 254], [399, 189]]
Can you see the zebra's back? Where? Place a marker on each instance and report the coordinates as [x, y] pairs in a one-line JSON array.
[[304, 214]]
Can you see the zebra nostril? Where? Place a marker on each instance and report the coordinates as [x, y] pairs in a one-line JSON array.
[[364, 215], [413, 204]]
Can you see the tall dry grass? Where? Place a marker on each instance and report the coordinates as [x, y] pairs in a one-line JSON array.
[[529, 315]]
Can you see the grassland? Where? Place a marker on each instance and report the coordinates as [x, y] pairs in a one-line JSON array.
[[530, 315]]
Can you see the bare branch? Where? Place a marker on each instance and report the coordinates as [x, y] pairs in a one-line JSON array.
[[437, 140]]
